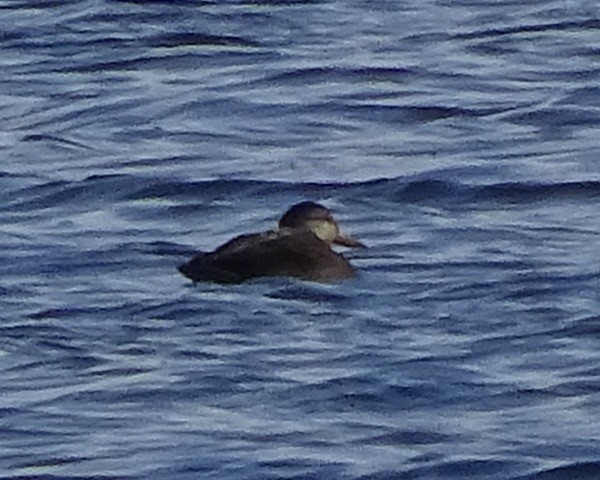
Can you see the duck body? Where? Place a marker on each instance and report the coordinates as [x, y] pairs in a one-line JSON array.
[[280, 253], [299, 248]]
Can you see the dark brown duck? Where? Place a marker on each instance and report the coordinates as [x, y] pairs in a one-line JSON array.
[[300, 247]]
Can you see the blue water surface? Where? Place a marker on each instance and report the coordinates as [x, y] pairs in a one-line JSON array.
[[457, 139]]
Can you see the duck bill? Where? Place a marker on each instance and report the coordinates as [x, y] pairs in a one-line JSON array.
[[348, 241]]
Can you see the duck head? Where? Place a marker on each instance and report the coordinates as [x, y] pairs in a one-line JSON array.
[[320, 221]]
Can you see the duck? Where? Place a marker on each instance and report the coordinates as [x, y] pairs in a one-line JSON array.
[[300, 247]]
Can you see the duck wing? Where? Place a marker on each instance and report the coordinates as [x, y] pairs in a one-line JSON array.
[[285, 252]]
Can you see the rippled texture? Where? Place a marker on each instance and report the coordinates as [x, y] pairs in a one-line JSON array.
[[459, 140]]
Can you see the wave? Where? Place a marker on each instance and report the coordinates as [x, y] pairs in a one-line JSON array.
[[583, 24], [527, 192], [582, 471], [201, 39], [114, 188], [402, 191], [342, 74], [510, 192]]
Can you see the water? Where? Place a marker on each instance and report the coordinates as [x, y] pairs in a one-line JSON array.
[[457, 139]]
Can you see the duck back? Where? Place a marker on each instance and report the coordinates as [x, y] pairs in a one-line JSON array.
[[285, 252]]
